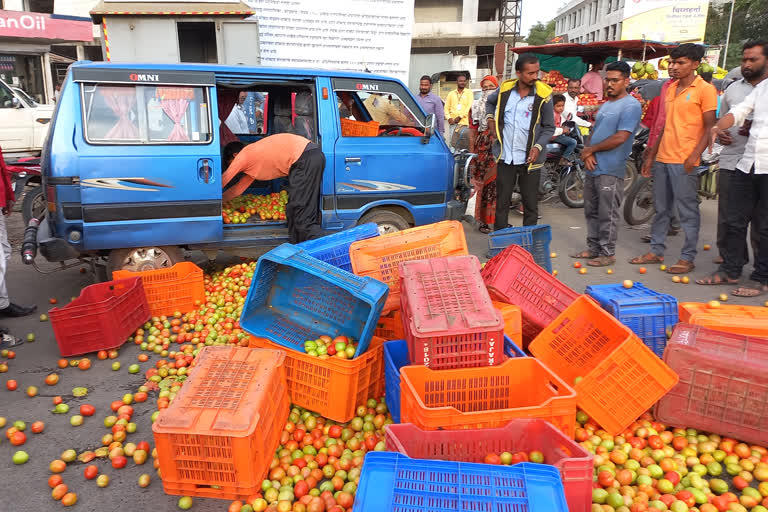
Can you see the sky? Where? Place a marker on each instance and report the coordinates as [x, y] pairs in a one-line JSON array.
[[538, 10]]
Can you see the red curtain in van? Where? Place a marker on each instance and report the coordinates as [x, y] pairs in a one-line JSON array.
[[121, 100], [227, 98]]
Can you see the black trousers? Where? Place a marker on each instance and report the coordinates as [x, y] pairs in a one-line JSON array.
[[747, 201], [303, 209], [506, 177], [723, 185]]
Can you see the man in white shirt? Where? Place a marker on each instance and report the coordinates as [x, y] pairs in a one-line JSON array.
[[572, 103], [238, 120], [747, 197]]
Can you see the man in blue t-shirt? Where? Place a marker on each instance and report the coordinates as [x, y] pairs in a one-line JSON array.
[[605, 158]]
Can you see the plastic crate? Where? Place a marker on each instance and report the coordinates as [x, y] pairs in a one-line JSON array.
[[513, 322], [295, 297], [722, 384], [391, 482], [514, 277], [621, 377], [534, 239], [334, 248], [511, 349], [390, 327], [101, 318], [395, 357], [218, 437], [448, 316], [380, 258], [746, 320], [170, 290], [332, 387], [647, 312], [472, 398], [351, 128], [572, 460]]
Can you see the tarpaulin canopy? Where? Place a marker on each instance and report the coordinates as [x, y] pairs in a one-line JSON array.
[[630, 50]]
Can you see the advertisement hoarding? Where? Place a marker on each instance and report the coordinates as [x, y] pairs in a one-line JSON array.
[[672, 21]]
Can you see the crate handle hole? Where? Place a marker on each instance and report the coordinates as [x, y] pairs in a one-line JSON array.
[[554, 388]]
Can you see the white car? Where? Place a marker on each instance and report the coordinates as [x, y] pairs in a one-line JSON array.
[[23, 122]]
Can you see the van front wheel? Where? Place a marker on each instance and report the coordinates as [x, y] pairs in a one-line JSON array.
[[388, 221], [141, 259]]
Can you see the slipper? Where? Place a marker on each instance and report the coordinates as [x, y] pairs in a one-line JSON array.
[[681, 267], [750, 289], [717, 278], [602, 261], [584, 255], [8, 341], [647, 259], [485, 228]]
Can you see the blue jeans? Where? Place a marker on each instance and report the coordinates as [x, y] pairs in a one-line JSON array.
[[568, 142], [673, 187]]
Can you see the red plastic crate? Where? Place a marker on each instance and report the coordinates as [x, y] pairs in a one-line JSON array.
[[101, 318], [448, 316], [476, 398], [513, 277], [621, 377], [170, 290], [746, 320], [218, 437], [722, 386], [573, 461]]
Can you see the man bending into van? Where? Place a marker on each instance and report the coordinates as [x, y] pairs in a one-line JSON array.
[[278, 156]]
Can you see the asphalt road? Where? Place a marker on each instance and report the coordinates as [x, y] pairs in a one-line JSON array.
[[24, 488]]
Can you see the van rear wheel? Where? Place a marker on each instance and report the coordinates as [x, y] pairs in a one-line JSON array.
[[141, 259], [388, 221]]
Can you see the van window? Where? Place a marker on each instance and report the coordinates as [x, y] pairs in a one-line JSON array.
[[248, 114], [145, 114], [387, 108]]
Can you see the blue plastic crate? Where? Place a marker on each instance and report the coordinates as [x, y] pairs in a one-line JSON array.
[[391, 482], [647, 312], [295, 297], [534, 239], [396, 356], [334, 248]]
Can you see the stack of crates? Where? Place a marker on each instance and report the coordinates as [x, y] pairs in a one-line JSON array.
[[218, 437], [650, 314]]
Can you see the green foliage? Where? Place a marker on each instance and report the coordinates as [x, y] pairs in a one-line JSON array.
[[749, 22], [541, 33]]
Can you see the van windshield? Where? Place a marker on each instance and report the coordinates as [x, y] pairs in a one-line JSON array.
[[146, 114]]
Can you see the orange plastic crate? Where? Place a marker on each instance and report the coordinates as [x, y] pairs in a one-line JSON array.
[[332, 387], [747, 320], [513, 322], [621, 377], [380, 257], [169, 290], [488, 397], [390, 327], [218, 437], [352, 128]]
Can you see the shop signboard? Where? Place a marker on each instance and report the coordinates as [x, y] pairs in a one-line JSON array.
[[671, 21], [54, 27]]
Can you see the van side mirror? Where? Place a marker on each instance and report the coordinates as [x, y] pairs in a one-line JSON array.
[[429, 128]]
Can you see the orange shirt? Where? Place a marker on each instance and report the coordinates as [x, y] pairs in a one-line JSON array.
[[267, 159], [684, 126]]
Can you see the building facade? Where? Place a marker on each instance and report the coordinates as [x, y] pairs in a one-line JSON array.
[[585, 21]]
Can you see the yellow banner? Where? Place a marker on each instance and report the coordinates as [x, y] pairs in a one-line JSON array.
[[665, 20]]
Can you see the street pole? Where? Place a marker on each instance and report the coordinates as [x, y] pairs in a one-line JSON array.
[[728, 36]]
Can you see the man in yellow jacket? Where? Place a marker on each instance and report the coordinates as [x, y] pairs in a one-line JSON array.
[[457, 105]]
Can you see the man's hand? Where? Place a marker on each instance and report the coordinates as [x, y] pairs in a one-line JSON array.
[[533, 155], [590, 161], [690, 164], [457, 120], [8, 207], [725, 139], [451, 121], [586, 153], [492, 128], [645, 171], [744, 130], [715, 134]]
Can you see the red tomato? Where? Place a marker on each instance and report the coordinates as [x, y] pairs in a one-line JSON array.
[[91, 472], [87, 410], [12, 385], [119, 462], [18, 438], [37, 427]]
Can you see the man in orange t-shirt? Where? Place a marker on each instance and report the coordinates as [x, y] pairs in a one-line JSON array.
[[278, 156], [691, 104]]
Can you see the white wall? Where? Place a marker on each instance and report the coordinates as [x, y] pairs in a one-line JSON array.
[[150, 40], [435, 11]]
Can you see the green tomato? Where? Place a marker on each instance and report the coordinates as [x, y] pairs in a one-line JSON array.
[[134, 368], [185, 503]]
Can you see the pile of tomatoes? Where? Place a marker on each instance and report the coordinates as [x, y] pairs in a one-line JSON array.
[[267, 207]]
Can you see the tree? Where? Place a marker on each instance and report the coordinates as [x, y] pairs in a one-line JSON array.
[[541, 33], [749, 23]]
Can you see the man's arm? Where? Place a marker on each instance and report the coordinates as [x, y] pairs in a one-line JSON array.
[[629, 118], [490, 111], [449, 106], [547, 129], [693, 159], [439, 114]]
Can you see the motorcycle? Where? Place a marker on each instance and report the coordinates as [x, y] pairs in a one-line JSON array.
[[566, 180], [26, 182]]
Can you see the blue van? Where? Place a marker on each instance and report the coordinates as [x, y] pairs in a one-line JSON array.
[[133, 162]]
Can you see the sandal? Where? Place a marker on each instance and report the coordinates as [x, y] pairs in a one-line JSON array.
[[750, 289], [717, 278], [485, 228], [647, 259], [8, 341], [681, 267], [584, 255], [602, 261]]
